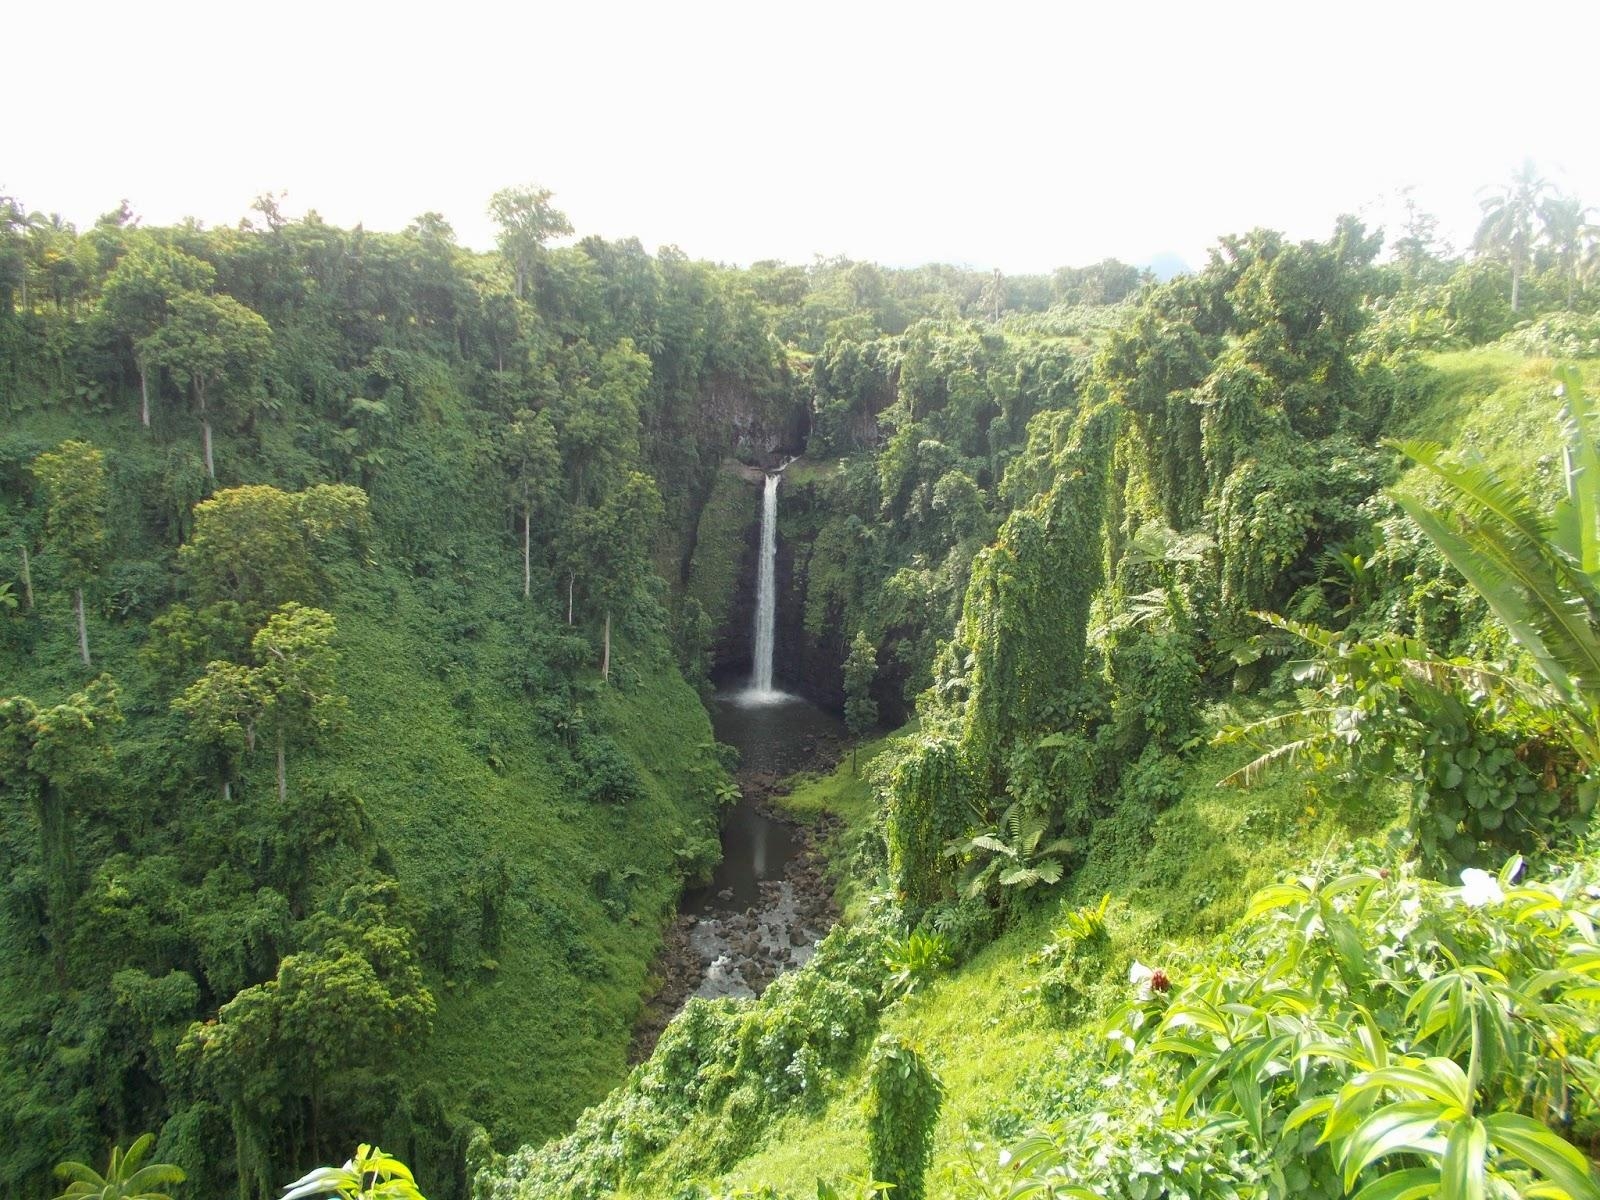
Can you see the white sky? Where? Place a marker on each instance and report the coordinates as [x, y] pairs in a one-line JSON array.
[[991, 133]]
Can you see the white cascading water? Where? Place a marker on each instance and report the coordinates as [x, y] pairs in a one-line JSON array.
[[766, 595]]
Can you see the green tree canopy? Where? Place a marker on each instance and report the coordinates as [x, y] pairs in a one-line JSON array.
[[137, 301], [527, 220], [217, 346], [261, 547]]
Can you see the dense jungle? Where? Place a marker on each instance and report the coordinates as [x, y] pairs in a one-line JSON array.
[[1219, 660]]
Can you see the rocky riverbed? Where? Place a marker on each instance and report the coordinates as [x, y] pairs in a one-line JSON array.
[[715, 950]]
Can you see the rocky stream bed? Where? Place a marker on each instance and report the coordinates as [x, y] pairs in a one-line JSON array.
[[763, 913]]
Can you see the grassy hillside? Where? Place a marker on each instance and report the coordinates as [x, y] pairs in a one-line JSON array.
[[993, 1030]]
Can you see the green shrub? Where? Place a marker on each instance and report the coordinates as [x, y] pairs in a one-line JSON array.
[[915, 960], [925, 806], [903, 1101]]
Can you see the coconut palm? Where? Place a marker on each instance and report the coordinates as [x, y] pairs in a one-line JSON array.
[[1507, 228], [126, 1178], [1568, 234]]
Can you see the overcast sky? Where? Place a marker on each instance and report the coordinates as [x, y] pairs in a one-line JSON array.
[[1023, 136]]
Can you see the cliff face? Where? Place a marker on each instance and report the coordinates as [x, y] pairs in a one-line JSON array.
[[809, 661], [722, 577], [760, 430]]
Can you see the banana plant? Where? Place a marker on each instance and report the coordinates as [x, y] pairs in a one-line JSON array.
[[127, 1176]]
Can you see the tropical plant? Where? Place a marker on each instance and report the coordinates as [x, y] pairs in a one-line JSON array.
[[1540, 575], [1487, 766], [1011, 852], [127, 1175], [1498, 759], [1371, 1033], [914, 961], [903, 1101], [370, 1175], [1085, 924], [860, 709]]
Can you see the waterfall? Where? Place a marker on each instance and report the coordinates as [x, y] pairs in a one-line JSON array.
[[766, 594]]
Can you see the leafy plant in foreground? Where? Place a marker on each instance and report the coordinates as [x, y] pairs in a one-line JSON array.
[[127, 1177], [903, 1100], [914, 961], [1376, 1034], [1488, 764], [370, 1175]]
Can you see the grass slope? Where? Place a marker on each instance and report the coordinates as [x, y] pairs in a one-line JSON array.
[[525, 1040], [991, 1031]]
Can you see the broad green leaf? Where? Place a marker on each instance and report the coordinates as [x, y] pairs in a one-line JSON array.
[[1550, 1155], [1413, 1183], [1461, 1173], [1395, 1129], [1308, 1110]]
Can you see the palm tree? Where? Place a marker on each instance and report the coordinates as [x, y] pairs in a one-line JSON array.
[[1508, 218], [1568, 234], [125, 1178]]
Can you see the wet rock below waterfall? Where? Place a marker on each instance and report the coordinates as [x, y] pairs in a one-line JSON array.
[[740, 955], [717, 951]]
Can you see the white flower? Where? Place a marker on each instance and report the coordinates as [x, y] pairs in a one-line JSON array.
[[1479, 888], [1139, 973]]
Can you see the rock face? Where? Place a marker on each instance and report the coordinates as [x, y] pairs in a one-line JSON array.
[[723, 572], [722, 577]]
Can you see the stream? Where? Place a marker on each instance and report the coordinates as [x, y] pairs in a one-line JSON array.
[[767, 904]]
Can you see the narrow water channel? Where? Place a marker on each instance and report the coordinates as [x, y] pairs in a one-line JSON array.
[[760, 915]]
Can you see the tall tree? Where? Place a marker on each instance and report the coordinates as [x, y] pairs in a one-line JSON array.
[[53, 759], [527, 220], [1507, 227], [13, 255], [217, 345], [296, 664], [1419, 244], [1567, 232], [288, 690], [615, 541], [74, 480], [223, 708], [860, 709], [136, 296], [532, 458]]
